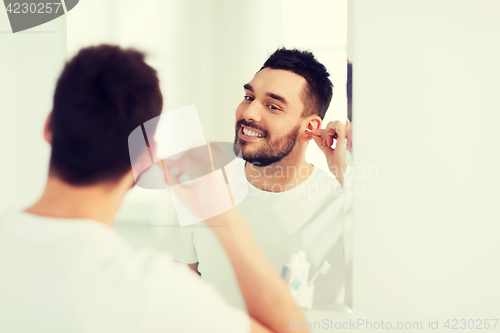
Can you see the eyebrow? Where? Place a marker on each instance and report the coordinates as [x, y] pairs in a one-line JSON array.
[[273, 96], [277, 97]]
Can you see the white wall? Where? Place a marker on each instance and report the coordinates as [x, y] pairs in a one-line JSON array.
[[30, 62], [426, 113]]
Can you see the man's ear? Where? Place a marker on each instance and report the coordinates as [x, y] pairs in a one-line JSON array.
[[47, 132], [312, 122]]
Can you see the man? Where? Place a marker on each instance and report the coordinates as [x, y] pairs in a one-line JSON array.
[[65, 270], [291, 205]]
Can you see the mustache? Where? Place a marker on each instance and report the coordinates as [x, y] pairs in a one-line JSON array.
[[251, 125]]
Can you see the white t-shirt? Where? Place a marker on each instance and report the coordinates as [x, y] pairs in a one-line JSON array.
[[75, 275], [308, 217]]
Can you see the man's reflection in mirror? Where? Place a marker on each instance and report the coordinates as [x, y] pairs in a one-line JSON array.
[[295, 209]]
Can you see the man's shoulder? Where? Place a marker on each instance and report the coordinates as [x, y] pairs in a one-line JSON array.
[[324, 174], [324, 177]]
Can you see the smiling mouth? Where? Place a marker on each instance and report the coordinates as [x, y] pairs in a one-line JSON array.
[[248, 133]]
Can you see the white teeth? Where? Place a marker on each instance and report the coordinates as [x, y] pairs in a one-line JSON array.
[[250, 133]]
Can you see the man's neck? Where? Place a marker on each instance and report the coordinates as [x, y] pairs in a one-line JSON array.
[[62, 200], [281, 176]]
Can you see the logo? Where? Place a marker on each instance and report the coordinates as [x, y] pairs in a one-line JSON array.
[[206, 178], [26, 14]]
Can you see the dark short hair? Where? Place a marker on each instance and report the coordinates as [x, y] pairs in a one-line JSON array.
[[103, 94], [319, 89]]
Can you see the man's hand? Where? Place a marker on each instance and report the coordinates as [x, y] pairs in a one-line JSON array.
[[192, 178], [335, 157]]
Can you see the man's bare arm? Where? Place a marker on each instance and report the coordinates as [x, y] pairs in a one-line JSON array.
[[268, 301]]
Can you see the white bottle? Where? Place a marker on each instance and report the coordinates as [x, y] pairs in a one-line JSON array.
[[304, 293], [294, 268], [304, 268]]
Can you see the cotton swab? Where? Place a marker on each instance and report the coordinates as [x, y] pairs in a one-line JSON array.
[[323, 270], [310, 132]]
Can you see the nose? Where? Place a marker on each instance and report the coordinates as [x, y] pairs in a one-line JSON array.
[[252, 112]]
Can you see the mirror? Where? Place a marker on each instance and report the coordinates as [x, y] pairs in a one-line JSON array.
[[209, 53]]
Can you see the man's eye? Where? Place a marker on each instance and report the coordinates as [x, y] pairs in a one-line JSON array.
[[248, 98], [272, 107]]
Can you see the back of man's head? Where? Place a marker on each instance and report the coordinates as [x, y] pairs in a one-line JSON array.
[[319, 90], [103, 94]]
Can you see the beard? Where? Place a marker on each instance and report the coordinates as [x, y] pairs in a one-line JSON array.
[[272, 151]]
